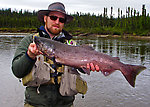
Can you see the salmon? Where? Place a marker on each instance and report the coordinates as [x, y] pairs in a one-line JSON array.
[[79, 56]]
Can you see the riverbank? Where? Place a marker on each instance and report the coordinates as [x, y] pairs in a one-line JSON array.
[[26, 31], [126, 36], [18, 30], [83, 31]]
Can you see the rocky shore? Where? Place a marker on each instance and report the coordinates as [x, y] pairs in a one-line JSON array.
[[7, 31]]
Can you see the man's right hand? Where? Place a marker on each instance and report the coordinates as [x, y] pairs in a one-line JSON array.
[[33, 51]]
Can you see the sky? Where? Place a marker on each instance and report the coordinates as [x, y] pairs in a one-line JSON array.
[[73, 6]]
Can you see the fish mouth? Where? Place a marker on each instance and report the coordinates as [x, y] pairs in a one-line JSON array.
[[37, 41], [39, 44]]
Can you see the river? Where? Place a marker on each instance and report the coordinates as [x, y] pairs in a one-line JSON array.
[[111, 91]]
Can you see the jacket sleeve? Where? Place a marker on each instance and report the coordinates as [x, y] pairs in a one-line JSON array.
[[22, 63]]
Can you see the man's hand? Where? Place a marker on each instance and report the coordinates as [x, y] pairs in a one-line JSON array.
[[33, 51], [93, 67]]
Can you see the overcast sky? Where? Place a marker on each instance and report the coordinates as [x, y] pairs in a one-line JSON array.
[[84, 6]]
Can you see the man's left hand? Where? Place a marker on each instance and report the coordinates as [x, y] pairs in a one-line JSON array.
[[93, 67]]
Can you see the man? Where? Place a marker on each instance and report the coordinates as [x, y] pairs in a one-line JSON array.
[[26, 57]]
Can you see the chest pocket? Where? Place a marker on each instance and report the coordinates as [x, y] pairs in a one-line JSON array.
[[39, 74], [42, 73]]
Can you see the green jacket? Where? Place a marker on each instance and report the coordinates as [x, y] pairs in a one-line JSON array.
[[22, 63], [49, 95]]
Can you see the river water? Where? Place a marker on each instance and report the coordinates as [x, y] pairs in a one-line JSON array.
[[111, 91]]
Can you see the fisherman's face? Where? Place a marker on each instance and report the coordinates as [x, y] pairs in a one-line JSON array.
[[54, 22]]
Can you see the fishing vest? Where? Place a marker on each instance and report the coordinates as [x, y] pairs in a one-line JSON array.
[[48, 68]]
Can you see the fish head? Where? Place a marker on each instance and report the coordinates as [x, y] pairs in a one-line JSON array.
[[39, 43], [44, 46]]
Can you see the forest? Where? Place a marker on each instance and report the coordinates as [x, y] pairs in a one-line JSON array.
[[132, 22]]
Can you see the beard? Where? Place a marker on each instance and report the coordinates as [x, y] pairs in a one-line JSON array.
[[54, 31]]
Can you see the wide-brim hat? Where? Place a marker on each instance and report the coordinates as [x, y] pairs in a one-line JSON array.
[[57, 6]]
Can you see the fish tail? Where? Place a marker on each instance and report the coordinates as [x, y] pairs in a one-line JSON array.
[[131, 71]]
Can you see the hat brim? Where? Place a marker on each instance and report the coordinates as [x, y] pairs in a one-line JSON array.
[[42, 13]]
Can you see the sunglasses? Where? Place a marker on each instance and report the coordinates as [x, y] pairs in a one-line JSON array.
[[54, 18]]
